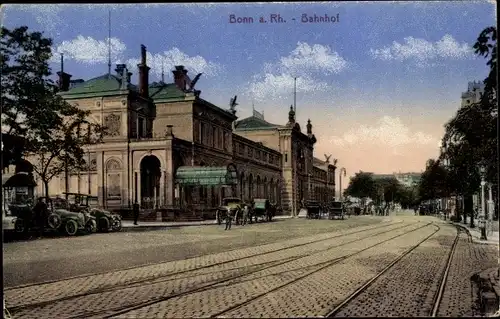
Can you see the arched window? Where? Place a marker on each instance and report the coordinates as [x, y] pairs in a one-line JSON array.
[[250, 187]]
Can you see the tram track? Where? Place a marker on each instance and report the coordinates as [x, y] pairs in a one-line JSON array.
[[442, 281], [244, 268], [226, 283], [6, 289]]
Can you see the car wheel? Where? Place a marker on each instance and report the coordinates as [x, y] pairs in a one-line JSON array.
[[103, 224], [19, 226], [117, 225], [90, 227], [54, 221], [71, 227]]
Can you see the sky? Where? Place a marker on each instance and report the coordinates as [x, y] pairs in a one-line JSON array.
[[377, 80]]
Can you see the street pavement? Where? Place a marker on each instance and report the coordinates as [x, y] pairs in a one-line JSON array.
[[288, 268]]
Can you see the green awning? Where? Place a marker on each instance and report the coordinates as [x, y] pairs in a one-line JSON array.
[[206, 175]]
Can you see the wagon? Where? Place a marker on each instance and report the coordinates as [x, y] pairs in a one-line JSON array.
[[336, 209], [313, 209], [261, 209], [229, 204]]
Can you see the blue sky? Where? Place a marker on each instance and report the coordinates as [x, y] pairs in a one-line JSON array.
[[381, 67]]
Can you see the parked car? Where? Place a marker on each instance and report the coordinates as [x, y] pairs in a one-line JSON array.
[[8, 221], [106, 221], [57, 220]]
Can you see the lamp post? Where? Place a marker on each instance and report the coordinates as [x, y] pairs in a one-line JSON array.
[[482, 221], [491, 209], [342, 171]]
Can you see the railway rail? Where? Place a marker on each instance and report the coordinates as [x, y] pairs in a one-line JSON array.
[[258, 267], [226, 283], [442, 282]]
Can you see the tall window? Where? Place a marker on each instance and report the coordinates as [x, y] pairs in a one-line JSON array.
[[202, 132], [214, 136], [141, 127]]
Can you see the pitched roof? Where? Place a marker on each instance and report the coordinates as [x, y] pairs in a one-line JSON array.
[[165, 91], [254, 123], [100, 85]]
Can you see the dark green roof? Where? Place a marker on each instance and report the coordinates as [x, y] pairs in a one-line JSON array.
[[255, 123], [165, 91], [101, 85]]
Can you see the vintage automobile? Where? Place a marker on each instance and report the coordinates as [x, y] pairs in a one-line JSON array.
[[105, 220], [8, 221], [58, 219], [313, 209], [232, 204], [261, 209], [335, 209]]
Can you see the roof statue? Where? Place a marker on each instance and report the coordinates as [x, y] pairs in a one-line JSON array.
[[193, 83], [233, 104]]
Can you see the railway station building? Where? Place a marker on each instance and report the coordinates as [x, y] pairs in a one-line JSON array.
[[167, 147]]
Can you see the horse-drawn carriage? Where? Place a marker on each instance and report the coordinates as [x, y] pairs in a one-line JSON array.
[[336, 209], [313, 209], [262, 209], [232, 205]]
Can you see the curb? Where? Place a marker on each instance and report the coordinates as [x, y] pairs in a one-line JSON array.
[[474, 239], [180, 224]]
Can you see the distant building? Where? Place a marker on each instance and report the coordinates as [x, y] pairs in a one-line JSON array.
[[474, 92], [407, 179]]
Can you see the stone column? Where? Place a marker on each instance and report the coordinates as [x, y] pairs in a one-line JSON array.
[[162, 188], [139, 198], [100, 179]]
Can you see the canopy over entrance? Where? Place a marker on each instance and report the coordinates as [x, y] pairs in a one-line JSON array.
[[206, 175]]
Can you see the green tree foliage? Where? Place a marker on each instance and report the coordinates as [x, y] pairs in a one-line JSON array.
[[32, 110], [471, 135], [434, 181], [361, 185]]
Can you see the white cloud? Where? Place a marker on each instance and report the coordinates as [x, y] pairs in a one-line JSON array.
[[387, 132], [194, 64], [306, 58], [421, 50], [90, 51], [276, 80], [281, 86]]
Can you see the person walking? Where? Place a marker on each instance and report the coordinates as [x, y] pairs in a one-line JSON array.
[[40, 211], [136, 210], [245, 215], [229, 219]]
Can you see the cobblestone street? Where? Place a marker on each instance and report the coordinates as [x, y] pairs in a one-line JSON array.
[[290, 268]]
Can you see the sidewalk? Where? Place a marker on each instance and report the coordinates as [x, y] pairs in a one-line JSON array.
[[493, 237], [129, 224]]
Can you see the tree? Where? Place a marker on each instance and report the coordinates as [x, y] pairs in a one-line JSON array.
[[473, 130], [361, 185], [434, 181], [32, 110]]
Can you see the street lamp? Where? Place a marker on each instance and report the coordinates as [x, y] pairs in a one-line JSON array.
[[482, 221], [342, 171]]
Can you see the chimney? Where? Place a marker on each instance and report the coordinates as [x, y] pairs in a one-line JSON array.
[[64, 81], [143, 74], [119, 70], [180, 75]]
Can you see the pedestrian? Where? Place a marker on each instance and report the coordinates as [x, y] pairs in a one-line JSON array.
[[245, 214], [229, 219], [135, 209], [40, 211]]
